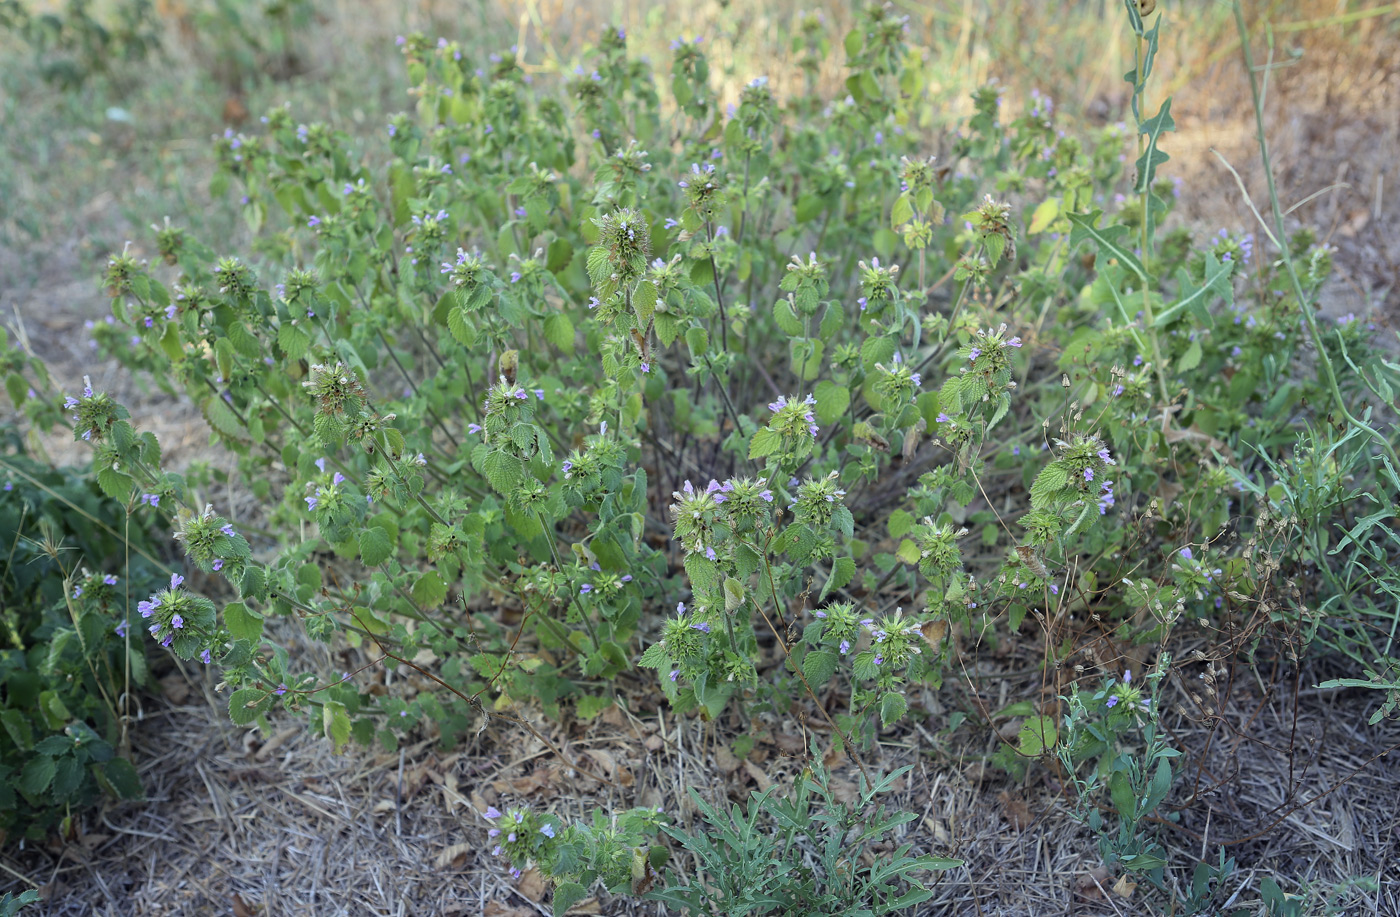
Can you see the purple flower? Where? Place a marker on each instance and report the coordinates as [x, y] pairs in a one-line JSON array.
[[70, 403], [474, 428], [314, 221], [845, 647], [122, 628], [338, 478], [675, 673], [281, 689], [586, 588], [646, 367], [148, 607], [1088, 474], [539, 393], [110, 579], [703, 627], [710, 553], [1186, 553], [492, 812], [1112, 702], [514, 276], [974, 354], [227, 529], [767, 495], [879, 660], [311, 502], [547, 830], [680, 608], [177, 622], [175, 580], [218, 564], [205, 657], [627, 578]]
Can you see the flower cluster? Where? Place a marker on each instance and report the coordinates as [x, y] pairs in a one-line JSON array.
[[877, 286], [180, 620], [210, 540], [818, 500], [794, 419], [335, 387], [521, 836]]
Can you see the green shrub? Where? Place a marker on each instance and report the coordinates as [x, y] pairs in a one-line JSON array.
[[68, 658], [594, 350]]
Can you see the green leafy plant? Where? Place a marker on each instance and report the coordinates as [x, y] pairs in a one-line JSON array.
[[801, 854], [554, 357], [69, 654]]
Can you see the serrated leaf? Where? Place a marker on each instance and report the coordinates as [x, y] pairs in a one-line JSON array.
[[375, 546], [818, 666], [559, 331], [294, 342], [832, 401], [122, 775], [892, 707], [242, 623], [37, 775]]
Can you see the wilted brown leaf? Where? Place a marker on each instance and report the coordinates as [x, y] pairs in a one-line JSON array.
[[453, 857], [532, 885]]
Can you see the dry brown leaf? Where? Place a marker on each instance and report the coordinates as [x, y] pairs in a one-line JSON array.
[[933, 633], [532, 885], [453, 857], [384, 805], [759, 777], [1090, 884], [653, 743], [531, 782], [1015, 810], [586, 906], [497, 909], [1123, 888], [788, 743], [607, 764], [844, 791], [834, 757], [725, 760], [242, 908]]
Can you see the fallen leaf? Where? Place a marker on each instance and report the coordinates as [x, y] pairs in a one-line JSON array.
[[1015, 810], [453, 857], [497, 909], [586, 906], [759, 777], [933, 633], [725, 760], [1123, 888], [531, 885], [1090, 884], [788, 743], [242, 908]]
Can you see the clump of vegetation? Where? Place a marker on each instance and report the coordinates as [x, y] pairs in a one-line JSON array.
[[681, 387]]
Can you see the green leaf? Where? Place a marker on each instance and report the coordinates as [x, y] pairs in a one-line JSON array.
[[1120, 788], [335, 721], [704, 575], [222, 418], [832, 401], [765, 442], [1044, 215], [842, 569], [243, 624], [644, 302], [587, 707], [892, 707], [697, 339], [1191, 358], [37, 775], [559, 331], [245, 704], [429, 591], [375, 546], [1110, 240], [902, 212], [733, 593], [294, 342], [566, 895], [818, 666], [122, 775]]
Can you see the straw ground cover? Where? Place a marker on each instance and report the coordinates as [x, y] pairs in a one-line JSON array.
[[1245, 771]]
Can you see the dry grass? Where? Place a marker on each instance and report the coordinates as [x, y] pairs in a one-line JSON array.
[[240, 823]]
